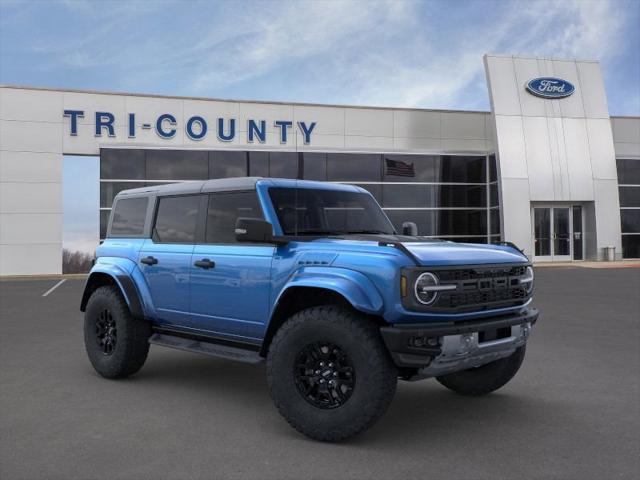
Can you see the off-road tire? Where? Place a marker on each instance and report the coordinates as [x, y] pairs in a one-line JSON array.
[[131, 345], [375, 375], [485, 379]]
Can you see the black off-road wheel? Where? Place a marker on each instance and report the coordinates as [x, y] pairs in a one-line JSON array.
[[486, 378], [329, 373], [116, 343]]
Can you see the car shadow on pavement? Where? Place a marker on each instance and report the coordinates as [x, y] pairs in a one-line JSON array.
[[419, 410]]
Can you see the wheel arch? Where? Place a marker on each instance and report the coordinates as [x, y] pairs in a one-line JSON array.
[[346, 288], [121, 281]]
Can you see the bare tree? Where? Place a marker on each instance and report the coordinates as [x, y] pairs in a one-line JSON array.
[[76, 262]]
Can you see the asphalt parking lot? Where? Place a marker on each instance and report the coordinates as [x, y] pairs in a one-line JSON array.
[[573, 411]]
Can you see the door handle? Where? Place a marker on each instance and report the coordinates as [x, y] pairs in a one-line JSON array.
[[205, 263], [149, 260]]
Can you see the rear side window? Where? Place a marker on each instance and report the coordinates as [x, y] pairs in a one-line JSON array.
[[176, 219], [128, 217], [224, 209]]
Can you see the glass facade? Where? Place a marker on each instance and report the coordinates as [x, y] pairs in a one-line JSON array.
[[448, 196], [629, 190]]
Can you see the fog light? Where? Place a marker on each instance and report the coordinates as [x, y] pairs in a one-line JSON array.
[[466, 342], [525, 331], [423, 342]]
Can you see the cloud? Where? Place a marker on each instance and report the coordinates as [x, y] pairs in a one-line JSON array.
[[393, 53]]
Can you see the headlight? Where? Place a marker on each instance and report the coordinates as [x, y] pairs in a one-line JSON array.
[[427, 287], [527, 280]]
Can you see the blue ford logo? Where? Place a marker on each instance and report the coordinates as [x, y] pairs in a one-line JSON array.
[[550, 87]]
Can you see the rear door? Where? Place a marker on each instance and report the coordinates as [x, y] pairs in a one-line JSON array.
[[165, 259], [230, 281]]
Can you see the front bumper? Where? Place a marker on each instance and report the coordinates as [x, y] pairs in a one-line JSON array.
[[440, 348]]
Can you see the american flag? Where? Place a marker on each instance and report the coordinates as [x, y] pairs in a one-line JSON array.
[[400, 168]]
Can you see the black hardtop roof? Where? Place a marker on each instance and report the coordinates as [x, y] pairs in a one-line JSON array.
[[196, 186]]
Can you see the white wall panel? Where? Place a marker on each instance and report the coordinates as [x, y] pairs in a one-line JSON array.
[[321, 142], [516, 211], [591, 81], [461, 145], [31, 259], [269, 113], [539, 164], [571, 106], [30, 105], [578, 159], [19, 136], [512, 157], [31, 197], [30, 167], [416, 124], [501, 78], [359, 142], [607, 208], [601, 149], [369, 122], [22, 228], [463, 125], [431, 145]]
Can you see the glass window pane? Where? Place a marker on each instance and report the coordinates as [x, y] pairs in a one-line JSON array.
[[225, 164], [629, 196], [283, 165], [177, 165], [628, 171], [315, 166], [630, 246], [124, 164], [403, 196], [176, 219], [128, 217], [494, 215], [258, 164], [630, 221], [461, 169], [438, 223], [224, 209], [109, 190], [460, 222], [493, 168], [494, 197], [457, 196], [353, 167], [542, 231]]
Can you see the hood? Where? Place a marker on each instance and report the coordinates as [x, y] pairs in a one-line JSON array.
[[438, 252], [449, 253]]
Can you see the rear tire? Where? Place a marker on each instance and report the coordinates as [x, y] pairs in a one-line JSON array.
[[485, 379], [117, 344], [326, 344]]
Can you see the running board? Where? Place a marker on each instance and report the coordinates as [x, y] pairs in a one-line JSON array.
[[207, 348]]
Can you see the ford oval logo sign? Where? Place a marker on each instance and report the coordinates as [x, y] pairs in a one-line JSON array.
[[550, 87]]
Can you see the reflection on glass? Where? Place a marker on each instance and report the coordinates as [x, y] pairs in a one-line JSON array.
[[561, 238], [542, 229]]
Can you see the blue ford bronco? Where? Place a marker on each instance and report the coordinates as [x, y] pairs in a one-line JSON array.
[[313, 279]]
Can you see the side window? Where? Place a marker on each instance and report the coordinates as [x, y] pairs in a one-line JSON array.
[[224, 209], [176, 219], [128, 217]]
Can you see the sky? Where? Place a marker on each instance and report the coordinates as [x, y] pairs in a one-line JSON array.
[[398, 53], [379, 53]]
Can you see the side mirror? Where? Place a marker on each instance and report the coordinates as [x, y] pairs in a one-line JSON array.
[[409, 228], [254, 230]]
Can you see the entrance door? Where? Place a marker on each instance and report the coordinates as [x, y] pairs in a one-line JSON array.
[[557, 232]]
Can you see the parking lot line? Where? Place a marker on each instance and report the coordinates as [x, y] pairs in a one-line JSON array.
[[54, 287]]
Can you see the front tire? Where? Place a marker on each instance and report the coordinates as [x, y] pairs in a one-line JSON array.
[[116, 343], [486, 378], [329, 373]]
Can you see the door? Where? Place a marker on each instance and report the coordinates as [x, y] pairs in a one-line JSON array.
[[561, 234], [230, 281], [165, 259], [557, 233]]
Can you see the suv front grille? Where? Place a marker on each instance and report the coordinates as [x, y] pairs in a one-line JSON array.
[[477, 288]]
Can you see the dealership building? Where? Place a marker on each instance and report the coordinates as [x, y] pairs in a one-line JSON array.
[[547, 168]]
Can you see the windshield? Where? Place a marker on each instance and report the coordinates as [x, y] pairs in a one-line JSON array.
[[304, 211]]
